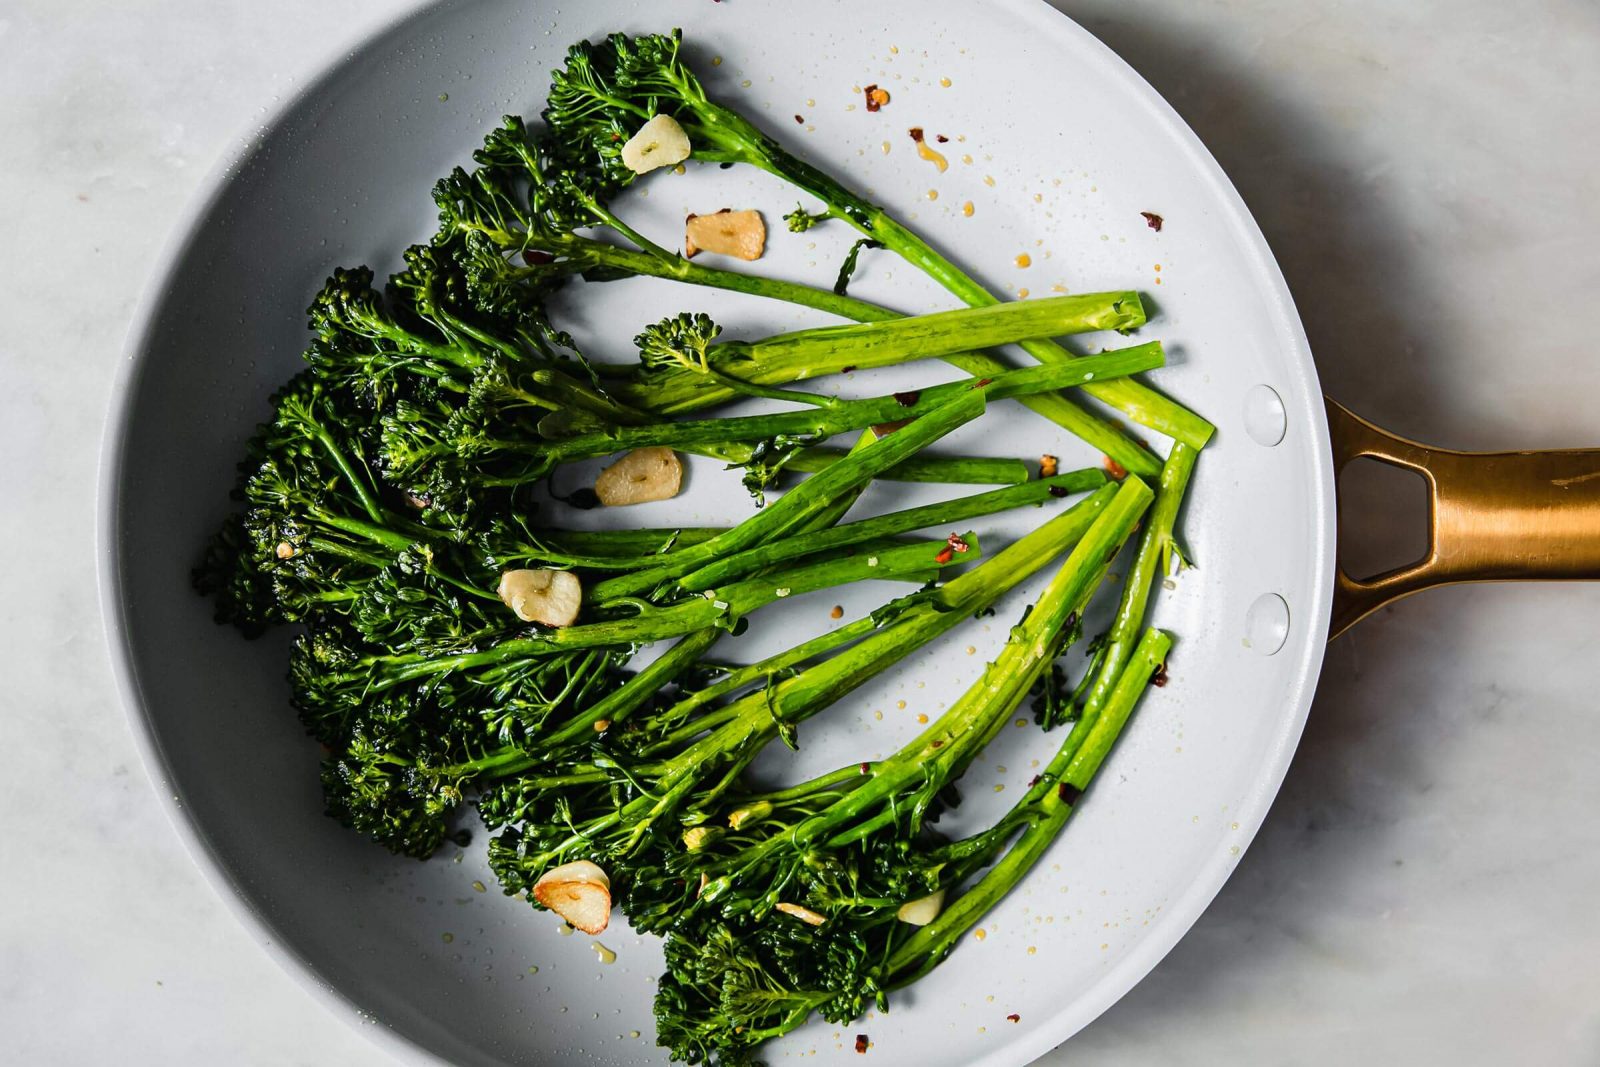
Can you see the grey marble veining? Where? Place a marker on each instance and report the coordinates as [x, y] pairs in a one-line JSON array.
[[1422, 893]]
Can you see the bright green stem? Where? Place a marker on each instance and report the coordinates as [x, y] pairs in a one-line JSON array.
[[1048, 807], [611, 259], [895, 522], [759, 716], [957, 736], [1134, 399], [846, 415], [917, 562], [1148, 565], [948, 470], [939, 333], [624, 542], [740, 677], [797, 698], [628, 697], [725, 134], [813, 495], [643, 686]]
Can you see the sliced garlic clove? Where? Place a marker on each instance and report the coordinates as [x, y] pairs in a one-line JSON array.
[[804, 914], [643, 475], [741, 234], [539, 595], [579, 892], [660, 142], [922, 911]]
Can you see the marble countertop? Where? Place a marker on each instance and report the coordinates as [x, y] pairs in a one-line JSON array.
[[1423, 890]]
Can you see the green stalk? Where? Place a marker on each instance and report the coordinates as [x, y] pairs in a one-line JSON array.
[[1149, 564], [679, 391], [942, 750], [739, 678], [939, 333], [809, 497], [636, 691], [642, 687], [776, 710], [844, 415], [917, 562], [948, 470], [624, 542], [727, 135], [943, 513], [1047, 807]]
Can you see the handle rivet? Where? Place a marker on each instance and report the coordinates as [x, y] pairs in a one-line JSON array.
[[1266, 624], [1264, 419]]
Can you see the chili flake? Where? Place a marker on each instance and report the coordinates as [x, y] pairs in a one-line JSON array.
[[1153, 220]]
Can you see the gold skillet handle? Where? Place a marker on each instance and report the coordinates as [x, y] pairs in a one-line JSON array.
[[1492, 516]]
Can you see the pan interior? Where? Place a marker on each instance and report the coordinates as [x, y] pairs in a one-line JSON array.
[[1067, 147]]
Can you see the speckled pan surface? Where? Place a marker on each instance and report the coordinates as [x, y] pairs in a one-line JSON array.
[[1067, 146]]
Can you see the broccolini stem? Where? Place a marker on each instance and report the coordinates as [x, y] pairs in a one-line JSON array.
[[1052, 801], [952, 740], [895, 522], [949, 470], [799, 697], [916, 562], [815, 494], [736, 137], [1148, 565], [739, 678], [845, 415]]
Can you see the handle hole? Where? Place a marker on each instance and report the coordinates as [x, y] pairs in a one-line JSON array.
[[1383, 517]]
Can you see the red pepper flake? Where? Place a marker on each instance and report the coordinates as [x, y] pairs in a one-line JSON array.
[[937, 744], [847, 370], [876, 97], [916, 133], [861, 1043], [1013, 1018], [1057, 490], [866, 768], [536, 257], [906, 400], [1153, 220], [1159, 679], [957, 542], [1033, 781], [1049, 466], [981, 382], [946, 554], [1068, 793], [884, 429], [942, 139], [800, 120], [1113, 468]]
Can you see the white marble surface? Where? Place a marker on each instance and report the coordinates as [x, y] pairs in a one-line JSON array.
[[1423, 891]]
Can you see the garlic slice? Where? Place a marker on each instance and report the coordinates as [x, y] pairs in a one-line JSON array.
[[660, 142], [741, 234], [539, 595], [641, 476], [922, 911], [579, 892]]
